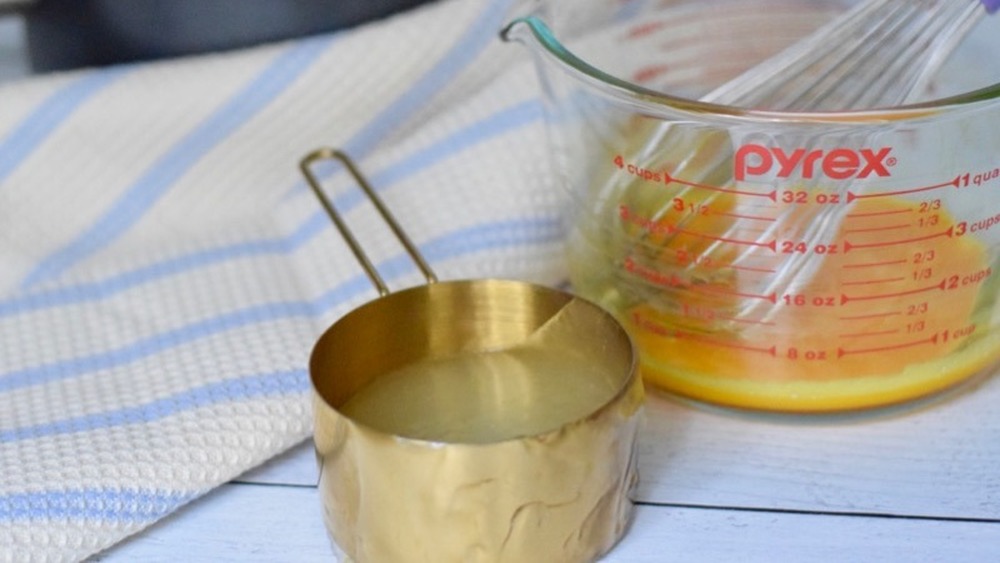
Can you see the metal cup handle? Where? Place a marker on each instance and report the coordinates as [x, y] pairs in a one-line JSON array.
[[326, 153]]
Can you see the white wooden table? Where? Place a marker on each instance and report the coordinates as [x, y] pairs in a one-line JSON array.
[[920, 485]]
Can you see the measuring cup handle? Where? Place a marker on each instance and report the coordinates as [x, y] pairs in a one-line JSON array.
[[326, 153]]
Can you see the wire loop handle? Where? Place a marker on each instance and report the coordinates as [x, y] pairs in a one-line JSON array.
[[326, 153]]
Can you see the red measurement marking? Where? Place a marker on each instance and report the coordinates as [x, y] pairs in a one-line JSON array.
[[748, 217], [773, 245], [874, 264], [842, 352], [851, 196], [848, 245], [773, 297], [648, 73], [773, 350], [845, 298], [871, 316], [755, 270], [878, 229], [873, 282], [646, 29], [772, 195], [876, 213], [867, 334]]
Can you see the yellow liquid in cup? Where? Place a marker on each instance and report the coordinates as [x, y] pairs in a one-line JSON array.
[[484, 397], [870, 325], [557, 376]]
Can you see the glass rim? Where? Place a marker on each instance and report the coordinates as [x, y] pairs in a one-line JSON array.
[[624, 90]]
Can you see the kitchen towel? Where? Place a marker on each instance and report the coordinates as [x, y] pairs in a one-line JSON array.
[[164, 270]]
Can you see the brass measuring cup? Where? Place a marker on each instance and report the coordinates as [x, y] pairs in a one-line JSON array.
[[555, 489]]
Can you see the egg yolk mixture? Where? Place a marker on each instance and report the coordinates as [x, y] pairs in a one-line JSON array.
[[890, 304]]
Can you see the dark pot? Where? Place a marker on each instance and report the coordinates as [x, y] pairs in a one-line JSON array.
[[65, 34]]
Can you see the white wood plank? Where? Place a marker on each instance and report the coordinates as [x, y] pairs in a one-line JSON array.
[[270, 523], [237, 522], [297, 466], [942, 460]]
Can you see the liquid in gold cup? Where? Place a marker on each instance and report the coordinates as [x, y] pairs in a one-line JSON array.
[[481, 420]]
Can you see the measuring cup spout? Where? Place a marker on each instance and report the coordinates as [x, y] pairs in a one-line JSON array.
[[516, 31], [530, 31], [506, 31]]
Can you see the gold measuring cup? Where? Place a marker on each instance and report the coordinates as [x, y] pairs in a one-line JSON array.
[[476, 420]]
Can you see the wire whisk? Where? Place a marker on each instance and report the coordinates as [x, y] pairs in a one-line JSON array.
[[880, 53]]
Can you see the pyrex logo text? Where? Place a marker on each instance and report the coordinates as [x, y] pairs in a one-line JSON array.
[[838, 164]]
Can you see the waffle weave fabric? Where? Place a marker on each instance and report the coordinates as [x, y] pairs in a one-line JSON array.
[[164, 270]]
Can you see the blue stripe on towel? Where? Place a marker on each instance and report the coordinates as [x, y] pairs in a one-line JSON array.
[[490, 127], [129, 208], [499, 123], [39, 125], [477, 37], [238, 389], [140, 197], [109, 287], [102, 504], [282, 382], [469, 46], [512, 233], [151, 345]]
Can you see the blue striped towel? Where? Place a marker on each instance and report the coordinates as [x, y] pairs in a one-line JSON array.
[[164, 271]]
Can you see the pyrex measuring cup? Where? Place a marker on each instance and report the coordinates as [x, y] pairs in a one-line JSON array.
[[800, 262], [472, 420]]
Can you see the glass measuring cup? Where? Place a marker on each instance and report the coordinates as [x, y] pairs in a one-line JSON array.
[[798, 262]]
